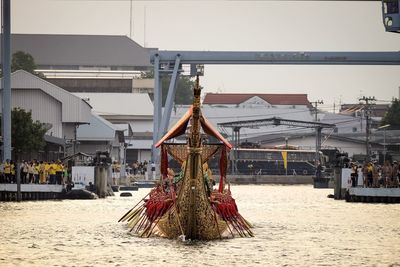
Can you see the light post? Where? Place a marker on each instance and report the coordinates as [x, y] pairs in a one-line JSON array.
[[317, 133], [384, 140]]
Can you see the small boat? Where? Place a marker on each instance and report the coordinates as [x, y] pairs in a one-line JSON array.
[[145, 184], [79, 194], [129, 188], [186, 205], [125, 194]]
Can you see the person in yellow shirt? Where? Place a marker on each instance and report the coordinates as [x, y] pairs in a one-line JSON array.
[[59, 172], [7, 171], [42, 173], [36, 171], [370, 173], [46, 171], [52, 172]]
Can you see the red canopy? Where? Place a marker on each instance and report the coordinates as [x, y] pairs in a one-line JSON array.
[[180, 127]]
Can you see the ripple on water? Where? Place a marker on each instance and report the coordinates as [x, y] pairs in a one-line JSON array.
[[293, 226]]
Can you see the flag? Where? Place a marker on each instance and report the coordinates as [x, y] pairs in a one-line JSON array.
[[284, 156]]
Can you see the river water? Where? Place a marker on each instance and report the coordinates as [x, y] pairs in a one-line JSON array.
[[293, 226]]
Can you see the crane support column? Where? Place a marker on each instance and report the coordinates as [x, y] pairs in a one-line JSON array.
[[170, 99], [6, 59], [157, 107]]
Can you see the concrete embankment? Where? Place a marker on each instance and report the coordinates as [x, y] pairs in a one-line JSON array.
[[373, 195], [8, 192], [270, 179]]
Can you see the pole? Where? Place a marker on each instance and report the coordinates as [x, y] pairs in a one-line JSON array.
[[384, 140], [6, 59], [317, 133], [367, 136], [367, 124], [18, 173], [157, 108], [384, 146], [122, 171]]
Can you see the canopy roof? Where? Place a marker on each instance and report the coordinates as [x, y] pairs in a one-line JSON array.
[[180, 127]]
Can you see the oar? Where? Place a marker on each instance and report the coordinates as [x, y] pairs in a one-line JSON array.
[[134, 206]]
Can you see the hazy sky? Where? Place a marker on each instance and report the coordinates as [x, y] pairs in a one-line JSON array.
[[240, 26]]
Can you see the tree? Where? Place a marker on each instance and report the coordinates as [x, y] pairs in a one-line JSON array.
[[392, 116], [184, 91], [23, 61], [26, 135]]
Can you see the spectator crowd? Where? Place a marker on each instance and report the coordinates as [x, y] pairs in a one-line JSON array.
[[375, 175], [33, 172]]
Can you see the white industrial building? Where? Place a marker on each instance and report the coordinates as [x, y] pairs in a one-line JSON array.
[[73, 126], [52, 105], [132, 113], [100, 135]]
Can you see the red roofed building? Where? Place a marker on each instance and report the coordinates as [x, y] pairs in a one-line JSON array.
[[269, 100]]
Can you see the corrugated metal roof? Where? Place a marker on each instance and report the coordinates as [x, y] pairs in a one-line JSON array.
[[74, 110], [344, 123], [273, 99], [119, 103], [54, 139], [140, 144], [142, 126], [82, 50], [99, 129]]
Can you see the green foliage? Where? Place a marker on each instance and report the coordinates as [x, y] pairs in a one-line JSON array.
[[23, 61], [147, 74], [184, 91], [26, 135], [392, 116]]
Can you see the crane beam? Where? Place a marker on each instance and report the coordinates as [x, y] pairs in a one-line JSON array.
[[276, 122], [278, 57]]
